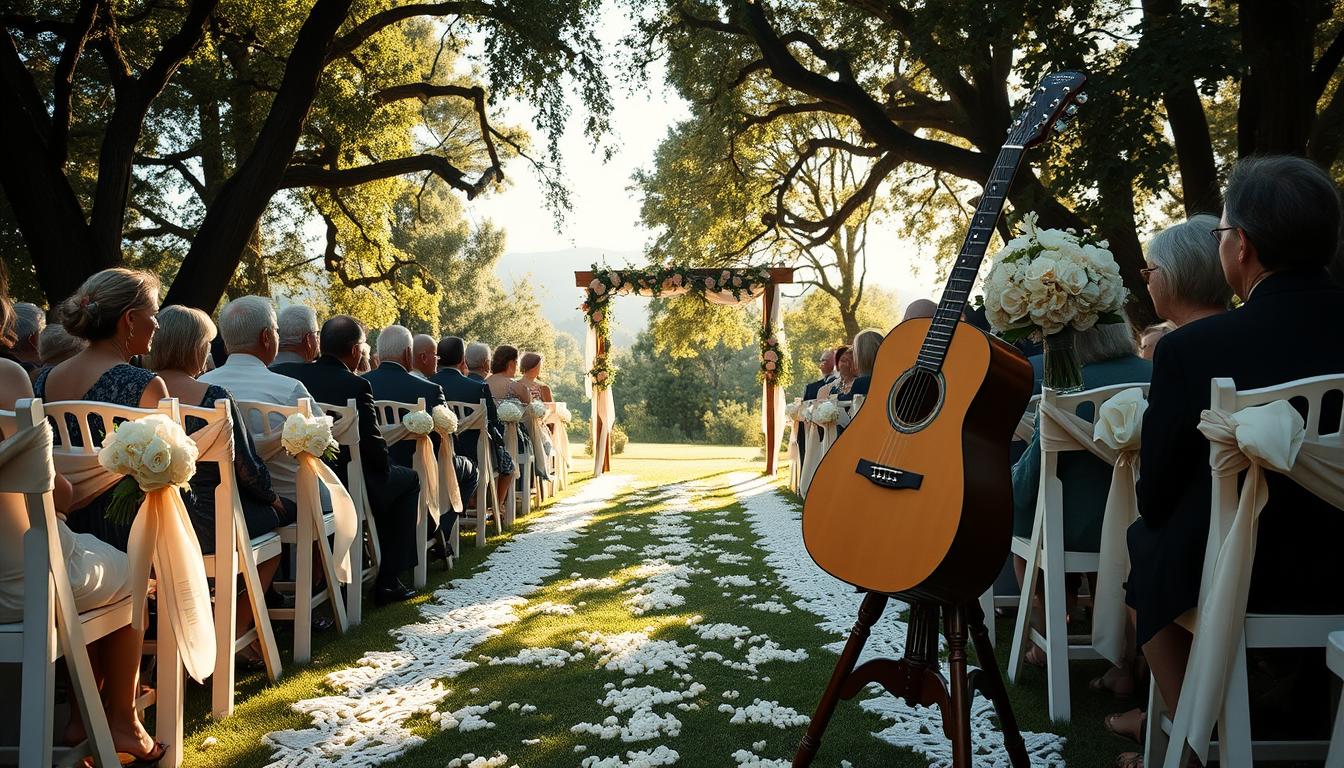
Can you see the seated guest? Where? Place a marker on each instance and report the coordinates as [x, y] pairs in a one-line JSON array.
[[864, 353], [919, 308], [365, 363], [477, 359], [99, 575], [393, 490], [424, 356], [529, 365], [1108, 356], [1150, 336], [56, 345], [29, 320], [180, 349], [845, 373], [504, 386], [458, 388], [826, 362], [1279, 230], [297, 325], [392, 380], [114, 311], [248, 325], [1184, 276]]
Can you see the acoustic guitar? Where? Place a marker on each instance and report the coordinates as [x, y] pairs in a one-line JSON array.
[[915, 497]]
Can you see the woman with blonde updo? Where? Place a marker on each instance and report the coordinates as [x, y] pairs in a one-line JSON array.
[[115, 312]]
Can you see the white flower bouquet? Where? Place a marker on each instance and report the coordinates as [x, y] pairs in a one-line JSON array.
[[1047, 283], [539, 409], [418, 422], [153, 452], [309, 434], [1046, 280], [563, 410], [510, 412], [825, 412], [791, 410], [445, 420]]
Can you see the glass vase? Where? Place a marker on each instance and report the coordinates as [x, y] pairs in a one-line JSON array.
[[1063, 370]]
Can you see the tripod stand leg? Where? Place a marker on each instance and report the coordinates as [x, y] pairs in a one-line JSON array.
[[869, 612], [959, 714], [989, 681]]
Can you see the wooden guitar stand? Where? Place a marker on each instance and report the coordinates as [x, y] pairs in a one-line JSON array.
[[917, 679]]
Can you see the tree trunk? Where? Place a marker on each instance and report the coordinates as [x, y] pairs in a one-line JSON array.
[[45, 207], [1277, 106], [231, 219]]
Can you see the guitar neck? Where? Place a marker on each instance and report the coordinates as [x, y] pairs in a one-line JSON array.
[[972, 253]]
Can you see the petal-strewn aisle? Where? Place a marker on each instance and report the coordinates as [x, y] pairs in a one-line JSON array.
[[670, 617]]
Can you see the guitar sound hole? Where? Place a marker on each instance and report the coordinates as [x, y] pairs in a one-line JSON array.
[[915, 399]]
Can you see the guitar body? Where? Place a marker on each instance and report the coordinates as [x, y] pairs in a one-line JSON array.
[[947, 538]]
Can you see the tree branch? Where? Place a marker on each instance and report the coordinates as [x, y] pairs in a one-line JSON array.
[[176, 161], [1326, 66], [383, 19], [63, 78], [337, 178]]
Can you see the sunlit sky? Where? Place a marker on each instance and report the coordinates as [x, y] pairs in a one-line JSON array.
[[605, 212]]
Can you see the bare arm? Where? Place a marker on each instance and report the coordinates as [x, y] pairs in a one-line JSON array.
[[155, 391]]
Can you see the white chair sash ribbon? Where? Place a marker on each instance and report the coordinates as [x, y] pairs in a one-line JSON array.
[[534, 433], [1253, 439], [449, 495], [346, 432], [313, 471], [24, 468], [424, 464], [161, 534], [1113, 438]]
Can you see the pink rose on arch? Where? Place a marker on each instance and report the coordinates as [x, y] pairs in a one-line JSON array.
[[676, 280], [771, 355], [597, 317], [627, 286], [598, 288], [601, 376], [615, 278], [769, 366], [709, 283], [737, 281]]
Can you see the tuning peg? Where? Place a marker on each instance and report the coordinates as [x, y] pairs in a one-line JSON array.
[[1060, 125], [1071, 110], [1081, 98]]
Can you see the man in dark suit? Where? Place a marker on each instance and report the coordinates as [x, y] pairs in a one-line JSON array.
[[827, 365], [459, 388], [393, 490], [392, 380], [1278, 232]]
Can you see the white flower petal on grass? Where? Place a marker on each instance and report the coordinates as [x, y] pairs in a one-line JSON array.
[[533, 657], [746, 759], [662, 755], [734, 580], [721, 631], [767, 712]]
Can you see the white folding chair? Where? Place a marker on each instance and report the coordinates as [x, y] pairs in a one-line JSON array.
[[1046, 557], [390, 413], [1167, 741], [813, 451], [560, 430], [1334, 658], [345, 429], [235, 553], [167, 696], [473, 416], [52, 627], [302, 536]]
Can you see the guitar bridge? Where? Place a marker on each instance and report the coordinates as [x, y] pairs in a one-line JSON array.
[[888, 477]]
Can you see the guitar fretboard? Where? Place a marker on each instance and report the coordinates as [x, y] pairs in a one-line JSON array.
[[967, 266]]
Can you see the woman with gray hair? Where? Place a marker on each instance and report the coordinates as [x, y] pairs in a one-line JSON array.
[[1184, 276], [1109, 357], [55, 345]]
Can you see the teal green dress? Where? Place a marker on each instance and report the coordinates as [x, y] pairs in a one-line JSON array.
[[1086, 479]]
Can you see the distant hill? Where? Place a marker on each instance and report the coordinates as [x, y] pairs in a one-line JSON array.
[[551, 275]]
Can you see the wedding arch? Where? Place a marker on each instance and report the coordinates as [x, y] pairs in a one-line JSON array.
[[726, 287]]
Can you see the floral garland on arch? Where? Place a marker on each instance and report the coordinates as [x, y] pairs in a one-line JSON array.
[[663, 281], [603, 373], [774, 359]]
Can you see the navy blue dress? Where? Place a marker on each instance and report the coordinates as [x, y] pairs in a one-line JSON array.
[[122, 384], [254, 481]]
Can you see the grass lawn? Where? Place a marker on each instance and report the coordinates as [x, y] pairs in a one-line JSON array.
[[665, 568]]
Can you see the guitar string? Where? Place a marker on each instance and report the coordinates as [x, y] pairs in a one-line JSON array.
[[920, 381]]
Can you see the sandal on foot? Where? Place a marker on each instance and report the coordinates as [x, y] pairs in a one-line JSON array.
[[150, 760], [1035, 656], [1114, 723], [1115, 682]]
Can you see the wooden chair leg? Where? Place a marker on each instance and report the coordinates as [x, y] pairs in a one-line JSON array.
[[354, 593], [303, 590], [333, 587], [38, 687], [1022, 624], [1234, 724], [421, 574], [168, 693], [1155, 742], [1056, 625], [226, 616]]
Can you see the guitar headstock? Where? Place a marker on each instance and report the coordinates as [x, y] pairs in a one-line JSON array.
[[1049, 109]]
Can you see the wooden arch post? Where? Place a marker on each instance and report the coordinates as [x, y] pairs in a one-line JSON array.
[[778, 276]]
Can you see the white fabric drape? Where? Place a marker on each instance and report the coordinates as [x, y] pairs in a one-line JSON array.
[[424, 463], [161, 535], [1252, 440], [1113, 438], [313, 475]]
